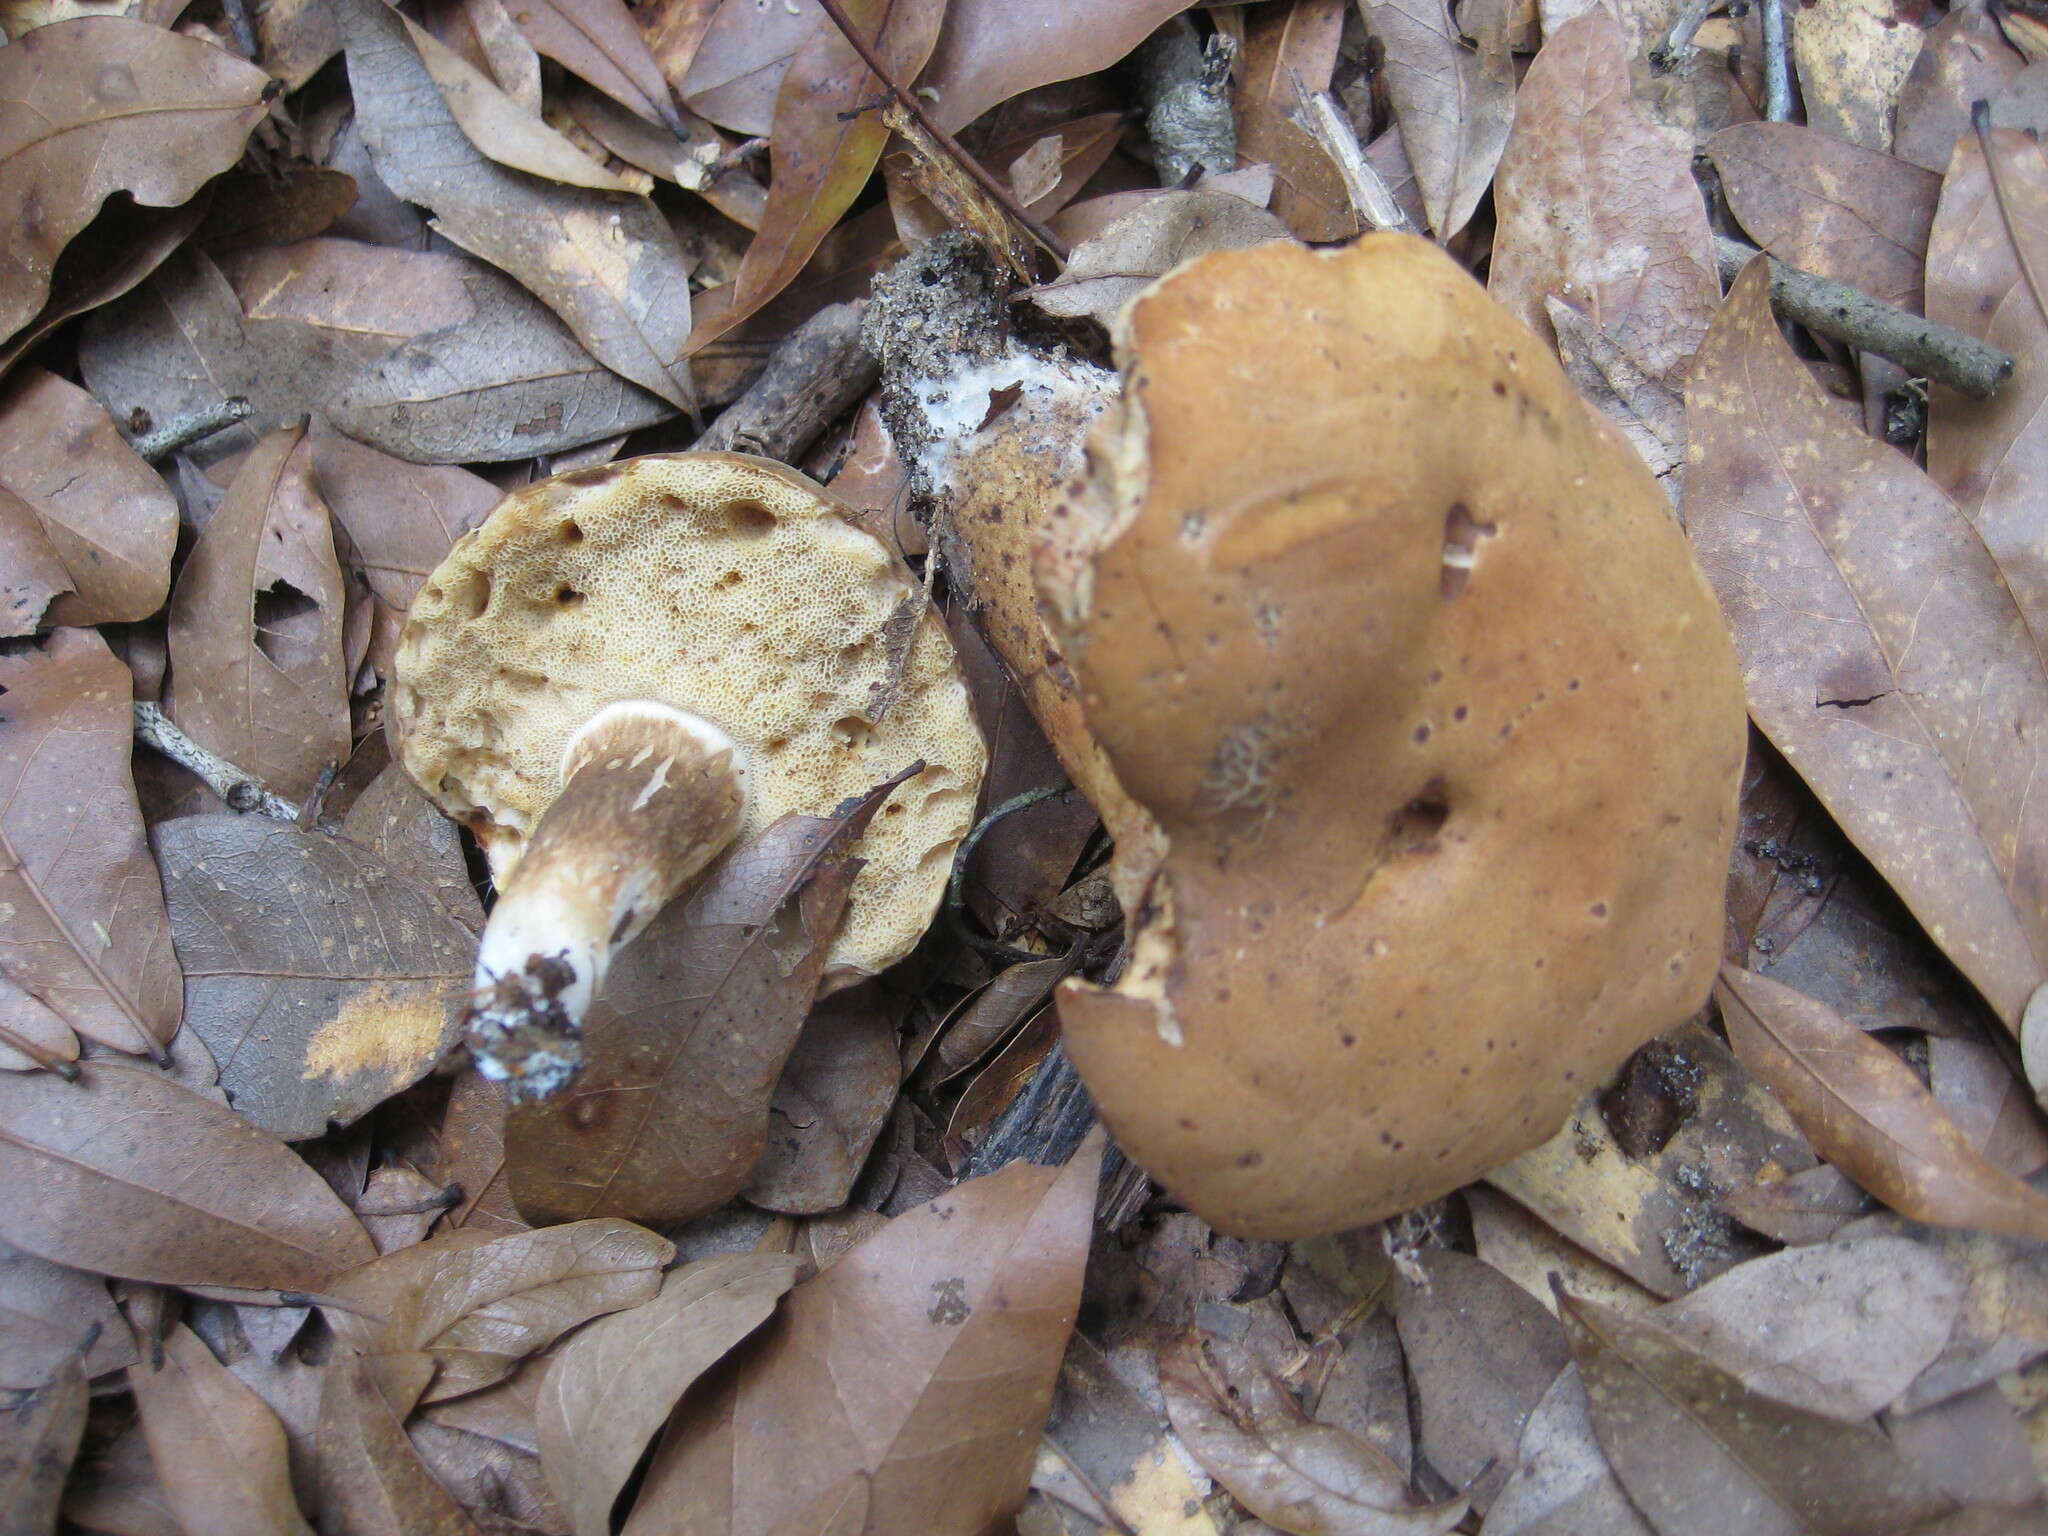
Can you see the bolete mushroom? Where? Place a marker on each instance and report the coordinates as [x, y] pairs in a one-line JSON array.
[[623, 669], [1440, 725]]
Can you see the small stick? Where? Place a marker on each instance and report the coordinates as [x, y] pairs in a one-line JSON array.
[[1937, 352], [1777, 63], [973, 167], [241, 791], [818, 371], [1368, 190], [956, 887], [1675, 47], [182, 431]]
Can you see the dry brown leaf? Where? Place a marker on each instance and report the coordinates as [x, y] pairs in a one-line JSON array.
[[85, 934], [1989, 1103], [1852, 214], [683, 1051], [127, 1173], [1990, 239], [610, 1388], [99, 105], [492, 1481], [1249, 1433], [30, 572], [1839, 1329], [219, 1451], [399, 518], [1853, 55], [46, 1314], [600, 41], [1562, 1484], [115, 1489], [484, 33], [913, 1375], [607, 264], [729, 66], [1964, 59], [992, 50], [1699, 1453], [256, 653], [1650, 413], [499, 127], [658, 151], [107, 514], [394, 820], [831, 1102], [1109, 270], [39, 1437], [293, 202], [1482, 1352], [1596, 207], [1876, 638], [475, 1136], [322, 979], [1289, 49], [1529, 1252], [1455, 103], [399, 1206], [372, 1482], [1868, 1113], [479, 1304], [825, 142]]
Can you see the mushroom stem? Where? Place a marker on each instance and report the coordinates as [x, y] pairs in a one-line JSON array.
[[650, 795]]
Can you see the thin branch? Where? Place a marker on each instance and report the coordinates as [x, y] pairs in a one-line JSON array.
[[1777, 62], [1675, 47], [1371, 197], [987, 181], [241, 791], [182, 431]]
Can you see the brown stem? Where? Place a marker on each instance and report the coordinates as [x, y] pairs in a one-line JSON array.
[[986, 180]]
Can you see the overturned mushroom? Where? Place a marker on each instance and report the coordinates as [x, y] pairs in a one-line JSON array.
[[1440, 727], [624, 669]]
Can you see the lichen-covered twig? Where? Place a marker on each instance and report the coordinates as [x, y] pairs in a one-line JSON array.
[[241, 791], [1675, 46], [1777, 62], [160, 442], [1938, 352], [819, 371]]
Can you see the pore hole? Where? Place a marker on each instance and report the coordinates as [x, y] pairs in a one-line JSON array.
[[1414, 828], [852, 731], [1462, 535], [567, 596], [572, 532], [749, 519], [474, 595]]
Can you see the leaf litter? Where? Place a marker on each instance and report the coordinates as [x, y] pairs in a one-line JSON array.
[[788, 1262]]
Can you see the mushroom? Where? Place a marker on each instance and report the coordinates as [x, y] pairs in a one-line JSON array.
[[1397, 643], [624, 669]]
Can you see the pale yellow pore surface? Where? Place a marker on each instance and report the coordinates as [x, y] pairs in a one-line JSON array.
[[725, 585]]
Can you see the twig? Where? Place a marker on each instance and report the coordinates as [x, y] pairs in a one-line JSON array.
[[241, 791], [956, 887], [818, 371], [1921, 347], [1368, 190], [1777, 63], [182, 431], [988, 182], [1675, 46]]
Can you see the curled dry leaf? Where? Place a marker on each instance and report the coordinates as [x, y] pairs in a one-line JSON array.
[[483, 32], [1868, 1113], [1700, 1453], [46, 1312], [372, 1481], [825, 142], [1250, 1434], [322, 979], [1562, 1484], [730, 65], [126, 1173], [607, 264], [108, 516], [478, 1304], [1455, 103], [1876, 637], [1597, 207], [1289, 49], [256, 645], [992, 50], [1990, 241], [1109, 270], [219, 1451], [905, 1387], [833, 1098], [103, 104], [39, 1438], [1822, 203], [600, 41], [85, 936], [683, 1051], [610, 1388]]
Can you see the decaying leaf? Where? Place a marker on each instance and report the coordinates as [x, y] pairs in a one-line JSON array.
[[31, 574], [1875, 637], [46, 1313], [399, 517], [1699, 1453], [85, 935], [1868, 1113], [834, 1096], [322, 979], [736, 59], [1597, 208], [372, 1482], [683, 1051], [1455, 103], [39, 1436], [1249, 1433], [600, 41], [1562, 1484], [1108, 271], [992, 50], [126, 1173], [219, 1451], [904, 1387], [611, 1387], [608, 264], [1289, 49], [1853, 56], [1963, 59], [109, 518], [104, 104], [478, 1304], [256, 652]]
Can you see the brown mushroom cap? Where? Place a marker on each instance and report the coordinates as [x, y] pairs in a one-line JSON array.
[[1399, 644], [721, 584]]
